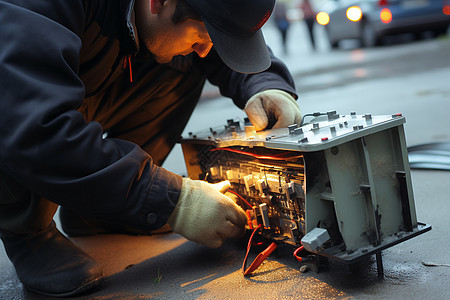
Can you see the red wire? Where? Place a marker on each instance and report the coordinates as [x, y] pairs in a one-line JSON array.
[[251, 237], [129, 65], [242, 198], [299, 258], [261, 256], [249, 245], [280, 156]]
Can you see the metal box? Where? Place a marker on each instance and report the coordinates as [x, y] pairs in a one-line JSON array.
[[348, 174]]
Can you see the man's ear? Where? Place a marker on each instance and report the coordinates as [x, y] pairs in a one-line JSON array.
[[156, 5]]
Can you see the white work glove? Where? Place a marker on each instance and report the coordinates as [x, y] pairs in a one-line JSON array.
[[273, 106], [205, 215]]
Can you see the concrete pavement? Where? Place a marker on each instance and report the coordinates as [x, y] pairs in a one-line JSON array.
[[169, 267]]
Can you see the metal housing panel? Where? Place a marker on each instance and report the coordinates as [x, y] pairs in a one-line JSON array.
[[348, 174]]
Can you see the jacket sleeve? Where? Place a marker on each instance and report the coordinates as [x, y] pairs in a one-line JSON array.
[[241, 87], [45, 143]]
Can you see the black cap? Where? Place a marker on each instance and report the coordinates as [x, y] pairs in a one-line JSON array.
[[235, 30]]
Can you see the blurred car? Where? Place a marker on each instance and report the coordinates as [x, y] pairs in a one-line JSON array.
[[371, 20]]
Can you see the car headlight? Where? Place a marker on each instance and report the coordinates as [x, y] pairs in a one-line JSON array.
[[322, 18], [446, 8], [354, 13], [385, 15]]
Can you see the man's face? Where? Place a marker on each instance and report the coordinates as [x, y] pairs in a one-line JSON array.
[[165, 39]]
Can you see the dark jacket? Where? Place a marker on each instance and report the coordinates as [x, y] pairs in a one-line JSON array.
[[55, 53]]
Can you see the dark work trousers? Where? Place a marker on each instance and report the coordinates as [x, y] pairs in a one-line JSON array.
[[152, 112]]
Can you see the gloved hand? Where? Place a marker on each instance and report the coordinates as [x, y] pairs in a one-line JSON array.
[[204, 215], [273, 106]]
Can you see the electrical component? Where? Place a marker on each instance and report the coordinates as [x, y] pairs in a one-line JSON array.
[[264, 215], [346, 175], [314, 239]]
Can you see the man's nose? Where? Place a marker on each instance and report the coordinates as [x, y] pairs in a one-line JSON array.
[[202, 49]]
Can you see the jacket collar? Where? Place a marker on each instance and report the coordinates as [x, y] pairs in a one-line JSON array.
[[129, 25]]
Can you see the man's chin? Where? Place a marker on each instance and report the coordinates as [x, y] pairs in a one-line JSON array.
[[168, 59], [163, 60]]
